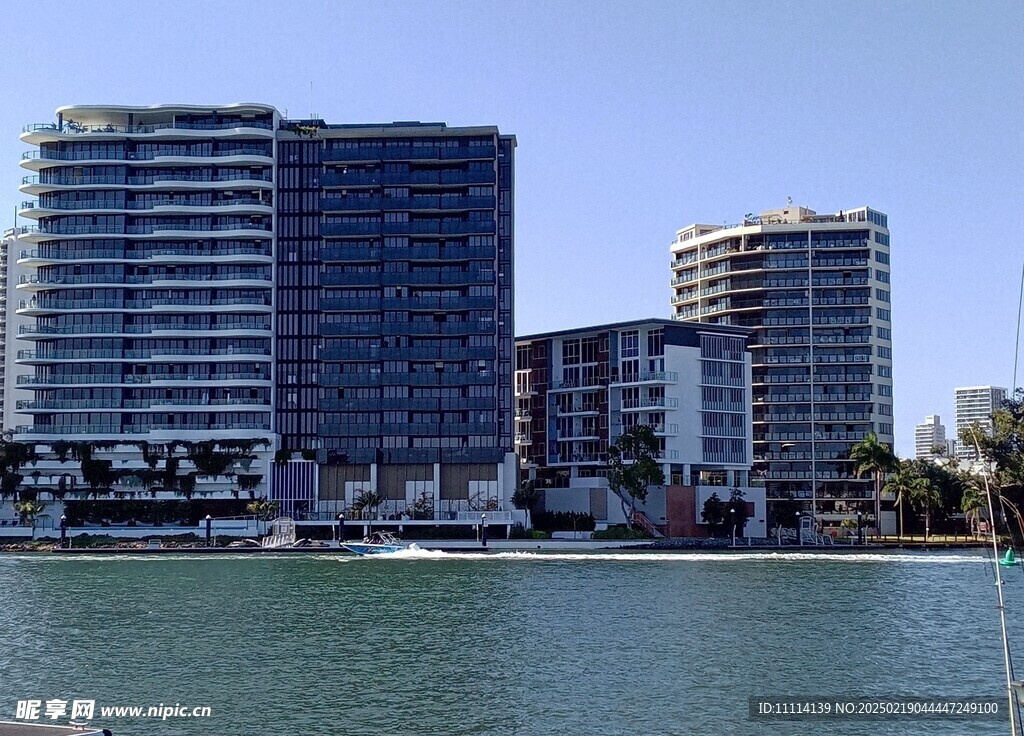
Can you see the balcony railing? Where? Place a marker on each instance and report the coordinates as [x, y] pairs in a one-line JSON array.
[[583, 383], [134, 329], [648, 377], [113, 204], [46, 155], [120, 181], [75, 128], [99, 278], [80, 255], [70, 380], [402, 153], [650, 403]]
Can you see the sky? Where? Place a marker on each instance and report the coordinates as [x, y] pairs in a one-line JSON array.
[[634, 119]]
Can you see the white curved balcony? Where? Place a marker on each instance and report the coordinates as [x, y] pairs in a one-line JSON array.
[[163, 432], [234, 231], [34, 210], [39, 160], [163, 355], [31, 282], [38, 133], [223, 380], [36, 258], [34, 184], [37, 332], [34, 308], [69, 406]]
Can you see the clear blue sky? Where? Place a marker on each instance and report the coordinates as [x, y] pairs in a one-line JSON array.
[[634, 119]]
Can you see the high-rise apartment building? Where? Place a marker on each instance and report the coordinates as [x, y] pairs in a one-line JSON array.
[[218, 273], [815, 289], [153, 283], [974, 406], [928, 436], [394, 325]]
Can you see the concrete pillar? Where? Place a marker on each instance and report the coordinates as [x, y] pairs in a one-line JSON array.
[[437, 489]]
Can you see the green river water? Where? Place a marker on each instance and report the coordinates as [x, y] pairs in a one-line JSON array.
[[592, 644]]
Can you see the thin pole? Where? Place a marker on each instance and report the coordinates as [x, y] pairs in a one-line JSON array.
[[1016, 344], [999, 590], [810, 359]]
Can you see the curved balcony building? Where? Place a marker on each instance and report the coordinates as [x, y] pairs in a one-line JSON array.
[[149, 273], [815, 289]]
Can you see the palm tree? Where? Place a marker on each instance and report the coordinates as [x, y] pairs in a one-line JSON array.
[[871, 456], [28, 510], [526, 498], [905, 484], [263, 510], [367, 501], [924, 494]]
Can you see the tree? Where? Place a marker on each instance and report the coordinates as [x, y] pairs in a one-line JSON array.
[[526, 499], [28, 510], [924, 495], [905, 484], [713, 514], [13, 457], [945, 477], [876, 458], [367, 501], [1004, 446], [263, 509], [973, 503], [633, 466], [1002, 454], [737, 512], [785, 510]]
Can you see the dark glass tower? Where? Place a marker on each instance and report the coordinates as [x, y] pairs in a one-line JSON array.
[[394, 332]]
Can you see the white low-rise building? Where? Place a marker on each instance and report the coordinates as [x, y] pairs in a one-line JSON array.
[[578, 390]]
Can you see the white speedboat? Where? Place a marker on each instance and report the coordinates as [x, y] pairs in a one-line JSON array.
[[378, 543]]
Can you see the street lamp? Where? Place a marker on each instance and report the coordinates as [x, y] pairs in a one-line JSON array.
[[799, 530], [732, 517], [341, 528], [209, 522], [860, 527], [63, 530]]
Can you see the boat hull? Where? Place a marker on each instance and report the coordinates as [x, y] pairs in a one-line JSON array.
[[370, 550]]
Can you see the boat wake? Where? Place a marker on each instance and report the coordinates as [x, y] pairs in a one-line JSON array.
[[416, 553]]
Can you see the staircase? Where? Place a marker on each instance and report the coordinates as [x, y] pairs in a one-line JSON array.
[[641, 521]]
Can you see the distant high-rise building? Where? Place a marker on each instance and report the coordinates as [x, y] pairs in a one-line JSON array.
[[929, 435], [815, 288], [974, 405]]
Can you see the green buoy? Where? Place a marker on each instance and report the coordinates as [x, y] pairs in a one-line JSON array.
[[1009, 560]]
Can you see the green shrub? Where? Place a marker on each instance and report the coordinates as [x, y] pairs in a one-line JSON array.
[[621, 532], [562, 521], [519, 532]]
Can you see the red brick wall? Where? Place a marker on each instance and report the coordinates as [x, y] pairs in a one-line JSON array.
[[681, 512]]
